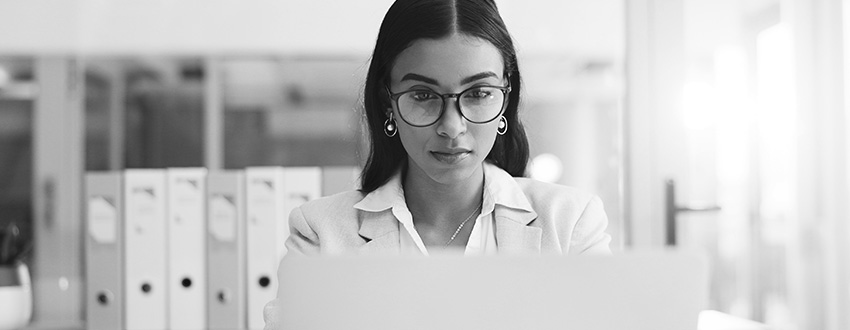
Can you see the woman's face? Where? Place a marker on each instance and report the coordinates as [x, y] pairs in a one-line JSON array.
[[452, 149]]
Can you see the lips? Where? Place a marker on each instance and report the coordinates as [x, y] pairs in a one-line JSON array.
[[451, 156]]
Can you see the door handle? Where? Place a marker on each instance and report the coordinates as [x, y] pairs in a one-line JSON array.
[[49, 207], [672, 209]]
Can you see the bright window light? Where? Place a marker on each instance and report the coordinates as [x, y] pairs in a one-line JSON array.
[[700, 106]]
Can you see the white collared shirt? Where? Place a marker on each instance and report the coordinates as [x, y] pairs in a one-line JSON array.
[[482, 240]]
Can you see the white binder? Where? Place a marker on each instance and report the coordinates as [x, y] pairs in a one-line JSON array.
[[336, 179], [187, 248], [265, 207], [104, 278], [272, 192], [226, 250], [145, 258]]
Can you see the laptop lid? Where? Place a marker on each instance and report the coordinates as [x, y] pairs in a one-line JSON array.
[[657, 291]]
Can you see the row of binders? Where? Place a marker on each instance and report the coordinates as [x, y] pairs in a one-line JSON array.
[[192, 249]]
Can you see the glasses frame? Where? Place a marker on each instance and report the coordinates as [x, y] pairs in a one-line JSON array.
[[506, 90]]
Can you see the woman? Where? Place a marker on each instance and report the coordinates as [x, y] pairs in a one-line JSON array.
[[447, 151], [441, 101]]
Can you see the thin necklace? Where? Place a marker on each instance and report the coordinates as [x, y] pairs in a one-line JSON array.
[[461, 225]]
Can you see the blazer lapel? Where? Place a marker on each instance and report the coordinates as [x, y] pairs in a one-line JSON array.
[[513, 234], [380, 230]]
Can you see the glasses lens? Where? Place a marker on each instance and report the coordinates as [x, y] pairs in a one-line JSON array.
[[482, 104], [420, 107]]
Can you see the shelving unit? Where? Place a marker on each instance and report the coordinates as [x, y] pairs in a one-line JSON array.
[[19, 91]]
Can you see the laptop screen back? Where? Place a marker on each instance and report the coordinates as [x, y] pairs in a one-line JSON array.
[[657, 291]]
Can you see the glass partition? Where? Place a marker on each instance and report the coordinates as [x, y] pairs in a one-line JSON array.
[[293, 111]]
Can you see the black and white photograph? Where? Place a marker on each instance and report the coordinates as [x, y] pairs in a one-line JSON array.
[[424, 164]]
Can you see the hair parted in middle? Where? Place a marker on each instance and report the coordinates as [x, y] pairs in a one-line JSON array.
[[409, 20]]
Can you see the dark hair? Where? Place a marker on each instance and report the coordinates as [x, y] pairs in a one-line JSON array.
[[409, 20]]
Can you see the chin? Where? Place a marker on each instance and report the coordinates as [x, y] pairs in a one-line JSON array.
[[454, 174]]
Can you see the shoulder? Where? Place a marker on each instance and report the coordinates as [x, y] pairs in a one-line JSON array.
[[571, 219], [543, 194], [327, 217], [334, 204], [527, 193]]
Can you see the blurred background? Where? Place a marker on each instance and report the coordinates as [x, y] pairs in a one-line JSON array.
[[717, 125]]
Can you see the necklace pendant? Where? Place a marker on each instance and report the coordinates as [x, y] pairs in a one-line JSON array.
[[451, 239]]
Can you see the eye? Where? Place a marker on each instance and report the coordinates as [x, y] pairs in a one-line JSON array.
[[481, 93], [423, 95]]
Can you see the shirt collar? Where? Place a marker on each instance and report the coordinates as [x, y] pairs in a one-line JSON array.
[[503, 189], [500, 188], [387, 196]]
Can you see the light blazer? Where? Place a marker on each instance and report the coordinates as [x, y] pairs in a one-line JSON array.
[[530, 217]]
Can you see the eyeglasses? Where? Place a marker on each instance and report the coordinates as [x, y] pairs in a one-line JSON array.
[[422, 107]]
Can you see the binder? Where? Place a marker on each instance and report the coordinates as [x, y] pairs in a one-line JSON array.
[[187, 248], [265, 196], [272, 193], [104, 277], [226, 305], [337, 179], [145, 252]]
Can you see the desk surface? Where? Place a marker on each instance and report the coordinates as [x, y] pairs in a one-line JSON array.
[[708, 320]]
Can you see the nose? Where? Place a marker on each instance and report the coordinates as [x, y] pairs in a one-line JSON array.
[[451, 124]]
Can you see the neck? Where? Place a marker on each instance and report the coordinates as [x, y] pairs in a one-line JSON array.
[[439, 204]]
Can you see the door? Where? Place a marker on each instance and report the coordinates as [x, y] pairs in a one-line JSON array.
[[736, 110]]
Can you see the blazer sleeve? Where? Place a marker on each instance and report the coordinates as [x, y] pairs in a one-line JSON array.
[[589, 236], [302, 240], [271, 315]]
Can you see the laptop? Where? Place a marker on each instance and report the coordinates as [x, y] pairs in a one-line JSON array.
[[635, 291]]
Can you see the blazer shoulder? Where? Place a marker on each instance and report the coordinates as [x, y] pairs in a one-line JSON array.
[[573, 220], [539, 192], [336, 202], [328, 214]]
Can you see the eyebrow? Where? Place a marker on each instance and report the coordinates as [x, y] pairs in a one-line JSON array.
[[477, 76], [413, 76]]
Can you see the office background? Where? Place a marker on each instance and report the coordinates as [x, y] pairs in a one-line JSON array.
[[664, 108]]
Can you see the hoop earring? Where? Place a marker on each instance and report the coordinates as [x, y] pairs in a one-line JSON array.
[[503, 126], [390, 126]]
